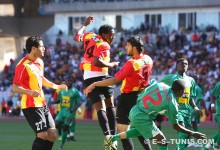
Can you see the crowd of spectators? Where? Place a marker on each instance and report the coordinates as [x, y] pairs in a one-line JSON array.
[[202, 49]]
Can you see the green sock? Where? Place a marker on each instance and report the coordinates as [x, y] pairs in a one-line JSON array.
[[73, 127], [64, 135], [133, 133], [215, 137], [115, 137], [162, 147], [218, 139]]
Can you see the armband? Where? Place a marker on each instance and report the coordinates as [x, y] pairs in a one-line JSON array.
[[212, 105]]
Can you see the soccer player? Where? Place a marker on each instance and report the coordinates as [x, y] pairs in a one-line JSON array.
[[95, 65], [69, 101], [156, 99], [28, 81], [186, 100], [215, 108], [134, 76]]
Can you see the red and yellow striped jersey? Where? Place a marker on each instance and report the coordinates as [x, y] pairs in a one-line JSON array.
[[29, 75], [94, 46], [135, 73]]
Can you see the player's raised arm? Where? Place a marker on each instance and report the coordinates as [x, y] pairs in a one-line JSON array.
[[79, 34]]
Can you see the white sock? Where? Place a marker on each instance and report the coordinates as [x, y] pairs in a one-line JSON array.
[[71, 134]]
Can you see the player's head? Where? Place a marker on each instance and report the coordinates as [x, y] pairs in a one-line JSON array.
[[69, 82], [107, 33], [137, 42], [178, 87], [35, 45], [182, 65]]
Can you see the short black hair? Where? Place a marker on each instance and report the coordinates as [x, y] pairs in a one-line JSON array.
[[178, 85], [105, 29], [32, 41], [137, 42], [181, 59]]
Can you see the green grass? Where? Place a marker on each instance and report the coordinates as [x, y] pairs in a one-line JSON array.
[[19, 136]]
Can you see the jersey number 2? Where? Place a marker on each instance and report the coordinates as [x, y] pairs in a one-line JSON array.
[[156, 101]]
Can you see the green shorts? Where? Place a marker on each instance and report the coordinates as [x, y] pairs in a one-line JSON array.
[[185, 118], [65, 117], [142, 123]]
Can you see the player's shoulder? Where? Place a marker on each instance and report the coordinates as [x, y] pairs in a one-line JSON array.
[[147, 59]]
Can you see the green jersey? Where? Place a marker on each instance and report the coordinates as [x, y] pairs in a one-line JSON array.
[[68, 99], [215, 93], [158, 99], [189, 92]]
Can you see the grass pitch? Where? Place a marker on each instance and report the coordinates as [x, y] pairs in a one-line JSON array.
[[16, 134]]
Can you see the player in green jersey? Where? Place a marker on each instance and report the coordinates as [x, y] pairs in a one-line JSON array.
[[158, 98], [186, 100], [69, 101], [215, 108]]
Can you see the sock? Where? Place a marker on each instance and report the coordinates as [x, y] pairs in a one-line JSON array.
[[115, 137], [59, 129], [127, 144], [144, 143], [132, 133], [218, 139], [73, 127], [38, 144], [64, 136], [71, 134], [182, 137], [103, 122], [162, 147], [48, 145], [215, 137], [111, 115]]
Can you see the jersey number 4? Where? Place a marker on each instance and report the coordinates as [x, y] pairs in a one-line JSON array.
[[89, 50]]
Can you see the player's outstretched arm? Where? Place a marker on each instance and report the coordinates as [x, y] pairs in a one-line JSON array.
[[197, 135], [52, 85]]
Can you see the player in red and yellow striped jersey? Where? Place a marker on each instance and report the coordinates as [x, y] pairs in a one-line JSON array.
[[28, 81], [134, 76], [95, 65]]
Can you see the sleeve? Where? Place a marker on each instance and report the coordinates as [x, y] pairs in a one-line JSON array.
[[125, 71], [193, 89], [79, 37], [172, 110], [200, 94], [215, 91], [20, 75]]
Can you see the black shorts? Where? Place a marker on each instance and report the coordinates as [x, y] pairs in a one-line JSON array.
[[39, 118], [124, 105], [99, 93]]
